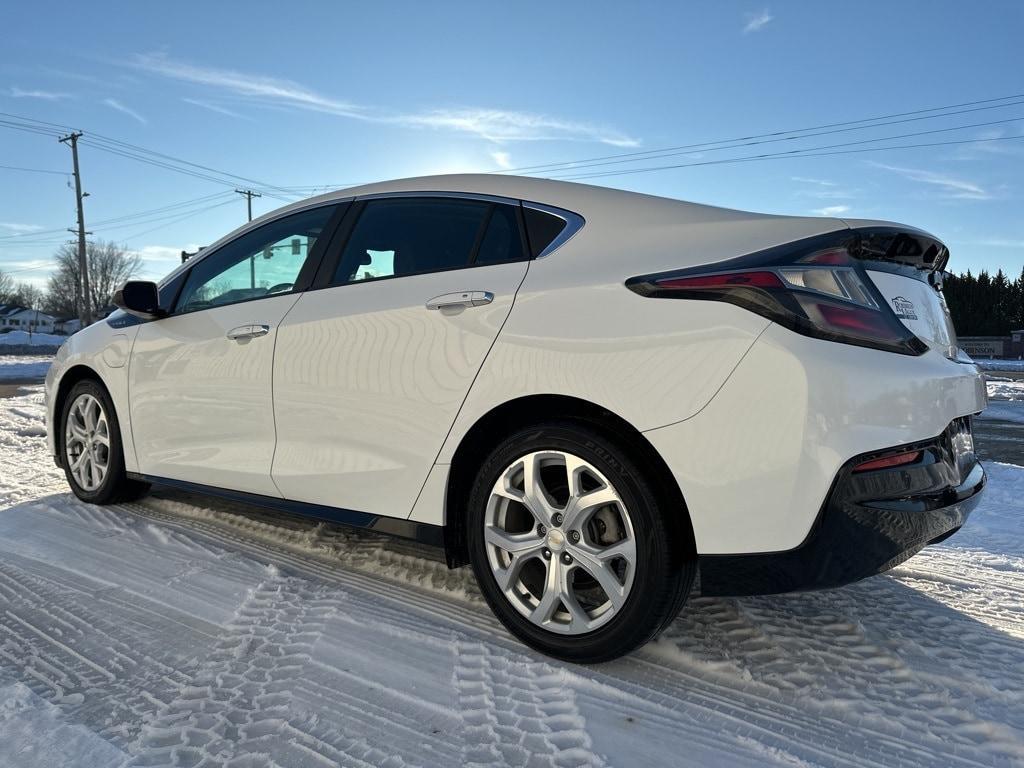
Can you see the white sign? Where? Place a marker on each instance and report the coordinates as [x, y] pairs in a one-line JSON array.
[[982, 347]]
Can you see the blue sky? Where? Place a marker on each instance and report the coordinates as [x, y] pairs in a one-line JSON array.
[[326, 94]]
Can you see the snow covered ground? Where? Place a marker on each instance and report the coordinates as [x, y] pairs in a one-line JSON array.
[[183, 631], [20, 367], [1001, 365], [24, 338]]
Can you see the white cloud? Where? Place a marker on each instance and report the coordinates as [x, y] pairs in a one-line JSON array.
[[497, 125], [822, 189], [114, 104], [159, 260], [259, 87], [949, 186], [21, 93], [214, 107], [756, 21], [502, 160], [831, 210], [818, 182], [17, 228]]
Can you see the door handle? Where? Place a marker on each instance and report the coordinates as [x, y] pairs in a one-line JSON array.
[[245, 332], [461, 299]]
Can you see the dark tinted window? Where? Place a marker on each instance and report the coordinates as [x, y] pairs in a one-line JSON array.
[[263, 262], [404, 236], [502, 241], [541, 228]]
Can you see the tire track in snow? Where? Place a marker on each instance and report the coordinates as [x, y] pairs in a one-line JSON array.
[[791, 724], [239, 694], [514, 715], [71, 655]]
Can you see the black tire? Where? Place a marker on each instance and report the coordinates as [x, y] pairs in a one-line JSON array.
[[663, 574], [116, 486]]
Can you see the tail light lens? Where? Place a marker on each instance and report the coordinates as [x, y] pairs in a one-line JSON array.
[[888, 462], [814, 287]]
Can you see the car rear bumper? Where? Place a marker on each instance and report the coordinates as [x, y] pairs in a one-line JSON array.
[[870, 522], [756, 465]]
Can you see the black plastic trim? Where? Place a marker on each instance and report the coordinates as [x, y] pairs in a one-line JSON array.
[[424, 533], [870, 522]]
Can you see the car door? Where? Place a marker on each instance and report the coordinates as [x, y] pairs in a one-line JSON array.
[[200, 380], [374, 362]]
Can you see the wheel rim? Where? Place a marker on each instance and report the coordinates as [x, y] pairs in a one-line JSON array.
[[560, 542], [87, 442]]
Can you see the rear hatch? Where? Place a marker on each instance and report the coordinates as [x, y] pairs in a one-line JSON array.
[[907, 267]]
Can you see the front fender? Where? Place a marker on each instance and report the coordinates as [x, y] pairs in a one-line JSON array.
[[103, 353]]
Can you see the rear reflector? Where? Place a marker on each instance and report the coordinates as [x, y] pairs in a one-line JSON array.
[[888, 462]]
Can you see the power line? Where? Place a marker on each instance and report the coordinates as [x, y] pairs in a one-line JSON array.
[[645, 154], [135, 152], [808, 153], [811, 135], [29, 237], [31, 170], [175, 221]]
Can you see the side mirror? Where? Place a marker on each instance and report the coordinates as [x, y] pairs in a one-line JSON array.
[[140, 298]]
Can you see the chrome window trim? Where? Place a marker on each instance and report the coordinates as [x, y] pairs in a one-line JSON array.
[[456, 195], [573, 224]]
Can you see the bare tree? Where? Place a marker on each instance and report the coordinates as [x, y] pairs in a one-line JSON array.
[[27, 295], [109, 265], [6, 288]]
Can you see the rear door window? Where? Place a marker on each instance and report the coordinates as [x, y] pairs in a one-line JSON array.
[[408, 236]]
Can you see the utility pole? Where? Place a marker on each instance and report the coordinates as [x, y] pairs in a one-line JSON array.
[[85, 306], [249, 195]]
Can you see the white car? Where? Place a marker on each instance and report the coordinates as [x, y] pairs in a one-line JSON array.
[[603, 401]]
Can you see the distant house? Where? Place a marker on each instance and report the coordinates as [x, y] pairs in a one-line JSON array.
[[66, 326], [17, 318]]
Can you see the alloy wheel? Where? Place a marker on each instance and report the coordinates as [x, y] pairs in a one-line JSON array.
[[560, 542], [87, 442]]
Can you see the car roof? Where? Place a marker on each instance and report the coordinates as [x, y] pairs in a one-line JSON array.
[[573, 196]]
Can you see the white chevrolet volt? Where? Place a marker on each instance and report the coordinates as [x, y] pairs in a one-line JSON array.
[[603, 401]]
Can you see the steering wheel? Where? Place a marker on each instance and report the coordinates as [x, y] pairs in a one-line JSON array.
[[280, 287]]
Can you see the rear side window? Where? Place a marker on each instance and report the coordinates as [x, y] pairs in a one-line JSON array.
[[407, 236], [542, 229]]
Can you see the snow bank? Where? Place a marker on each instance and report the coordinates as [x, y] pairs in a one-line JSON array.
[[1004, 389], [15, 367], [22, 338], [1000, 365]]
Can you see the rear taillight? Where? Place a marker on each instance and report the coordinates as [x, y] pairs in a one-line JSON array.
[[814, 287]]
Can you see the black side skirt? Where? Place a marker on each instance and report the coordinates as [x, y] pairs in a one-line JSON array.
[[424, 533]]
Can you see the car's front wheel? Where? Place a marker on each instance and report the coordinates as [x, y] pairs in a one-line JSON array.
[[92, 454], [570, 546]]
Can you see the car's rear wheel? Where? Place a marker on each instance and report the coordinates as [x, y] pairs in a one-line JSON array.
[[570, 546], [92, 454]]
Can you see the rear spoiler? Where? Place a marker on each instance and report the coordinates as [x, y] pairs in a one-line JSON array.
[[901, 246]]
